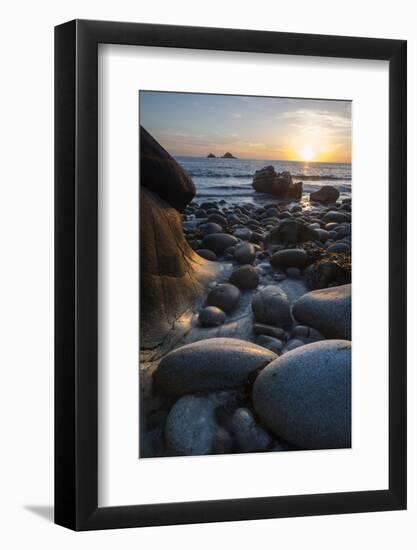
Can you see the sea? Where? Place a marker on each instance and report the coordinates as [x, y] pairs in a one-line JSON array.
[[231, 179]]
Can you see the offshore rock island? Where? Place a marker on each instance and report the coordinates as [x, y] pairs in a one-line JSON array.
[[225, 156]]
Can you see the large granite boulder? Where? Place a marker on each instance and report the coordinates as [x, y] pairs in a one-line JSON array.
[[304, 396], [172, 275], [267, 180], [213, 364], [162, 175], [326, 194], [327, 310]]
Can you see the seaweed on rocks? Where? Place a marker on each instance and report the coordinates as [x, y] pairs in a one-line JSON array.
[[326, 268]]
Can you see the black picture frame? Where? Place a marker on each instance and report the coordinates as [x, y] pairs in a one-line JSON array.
[[76, 271]]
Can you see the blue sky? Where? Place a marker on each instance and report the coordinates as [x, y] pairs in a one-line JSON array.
[[248, 127]]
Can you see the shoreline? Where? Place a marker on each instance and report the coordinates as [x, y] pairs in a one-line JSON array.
[[233, 180], [247, 228]]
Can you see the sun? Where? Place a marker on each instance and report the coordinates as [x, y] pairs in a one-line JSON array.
[[306, 154]]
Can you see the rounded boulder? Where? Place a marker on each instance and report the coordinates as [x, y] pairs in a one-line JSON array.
[[218, 242], [245, 277], [207, 254], [270, 306], [293, 257], [211, 316], [210, 228], [245, 253], [269, 342], [217, 218], [224, 296], [248, 435], [326, 194], [215, 363], [190, 427], [304, 396], [243, 233], [338, 217], [327, 310]]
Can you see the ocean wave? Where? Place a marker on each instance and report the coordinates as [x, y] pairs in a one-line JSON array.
[[306, 187], [310, 177], [210, 174], [207, 193], [341, 188], [317, 177], [225, 187], [249, 192]]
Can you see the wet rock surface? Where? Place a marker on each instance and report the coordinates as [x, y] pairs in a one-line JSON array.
[[216, 363], [327, 194], [291, 232], [305, 395], [211, 316], [244, 253], [250, 437], [173, 276], [230, 296], [224, 296], [270, 342], [271, 306], [207, 254], [245, 277], [293, 257], [218, 242], [327, 310], [280, 185], [191, 425]]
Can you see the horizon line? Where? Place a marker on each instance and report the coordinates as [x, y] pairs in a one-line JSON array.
[[265, 159]]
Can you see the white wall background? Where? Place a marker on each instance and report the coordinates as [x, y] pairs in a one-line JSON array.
[[26, 274]]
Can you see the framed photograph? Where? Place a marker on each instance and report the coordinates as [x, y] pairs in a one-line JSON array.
[[230, 275]]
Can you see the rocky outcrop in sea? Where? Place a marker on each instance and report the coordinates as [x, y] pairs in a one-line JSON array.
[[280, 185]]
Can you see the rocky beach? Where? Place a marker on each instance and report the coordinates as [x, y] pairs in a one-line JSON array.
[[245, 313]]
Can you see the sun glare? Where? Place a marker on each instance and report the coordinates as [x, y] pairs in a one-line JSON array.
[[306, 154]]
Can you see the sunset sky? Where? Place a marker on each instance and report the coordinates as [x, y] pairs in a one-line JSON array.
[[249, 127]]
